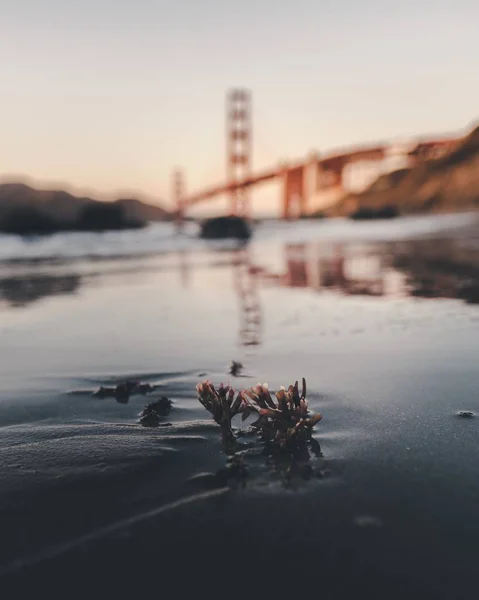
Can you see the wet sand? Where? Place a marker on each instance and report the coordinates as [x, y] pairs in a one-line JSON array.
[[91, 498]]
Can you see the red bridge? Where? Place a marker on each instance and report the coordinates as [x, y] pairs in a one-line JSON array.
[[299, 179]]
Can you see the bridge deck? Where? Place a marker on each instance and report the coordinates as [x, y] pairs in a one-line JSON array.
[[333, 161]]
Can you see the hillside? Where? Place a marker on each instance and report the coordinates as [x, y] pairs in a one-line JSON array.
[[65, 207], [446, 184]]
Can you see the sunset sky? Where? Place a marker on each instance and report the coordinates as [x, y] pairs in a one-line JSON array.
[[111, 95]]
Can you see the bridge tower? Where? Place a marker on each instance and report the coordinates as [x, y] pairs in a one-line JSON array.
[[238, 148], [294, 192], [178, 197]]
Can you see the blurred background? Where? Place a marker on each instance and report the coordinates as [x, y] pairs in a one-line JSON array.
[[290, 185]]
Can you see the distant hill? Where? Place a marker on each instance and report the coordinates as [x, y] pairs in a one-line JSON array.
[[446, 184], [64, 207], [135, 209]]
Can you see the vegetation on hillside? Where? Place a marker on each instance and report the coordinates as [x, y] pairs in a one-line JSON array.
[[27, 211], [445, 184]]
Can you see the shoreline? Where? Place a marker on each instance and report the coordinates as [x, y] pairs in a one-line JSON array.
[[94, 497]]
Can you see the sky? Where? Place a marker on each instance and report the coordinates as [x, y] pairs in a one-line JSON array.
[[109, 96]]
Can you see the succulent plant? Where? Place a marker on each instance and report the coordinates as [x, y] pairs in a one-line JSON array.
[[222, 404], [284, 423]]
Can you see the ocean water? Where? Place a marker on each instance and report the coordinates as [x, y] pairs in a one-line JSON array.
[[381, 318]]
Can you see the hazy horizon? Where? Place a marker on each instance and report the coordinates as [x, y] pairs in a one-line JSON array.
[[110, 98]]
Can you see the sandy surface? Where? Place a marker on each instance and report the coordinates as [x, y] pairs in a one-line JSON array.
[[91, 498]]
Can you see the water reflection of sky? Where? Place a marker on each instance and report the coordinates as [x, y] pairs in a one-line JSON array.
[[439, 267], [202, 303]]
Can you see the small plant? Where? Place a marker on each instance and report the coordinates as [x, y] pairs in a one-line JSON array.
[[286, 423], [222, 405]]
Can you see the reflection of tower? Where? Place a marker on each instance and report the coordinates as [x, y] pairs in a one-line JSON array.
[[247, 289], [310, 266], [184, 267], [296, 265], [178, 196], [238, 148]]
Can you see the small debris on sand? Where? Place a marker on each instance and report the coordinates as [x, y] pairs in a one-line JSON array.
[[367, 521], [466, 414]]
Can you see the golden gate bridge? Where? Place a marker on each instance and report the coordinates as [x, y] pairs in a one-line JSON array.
[[299, 179]]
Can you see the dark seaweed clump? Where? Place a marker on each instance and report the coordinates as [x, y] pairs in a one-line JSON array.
[[122, 392], [152, 414], [235, 368]]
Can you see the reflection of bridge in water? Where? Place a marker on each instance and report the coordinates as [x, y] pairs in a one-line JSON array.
[[248, 294], [246, 289], [348, 269], [447, 268]]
